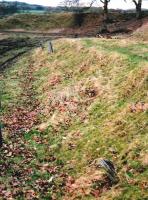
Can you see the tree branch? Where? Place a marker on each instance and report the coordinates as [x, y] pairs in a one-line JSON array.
[[135, 2], [102, 1]]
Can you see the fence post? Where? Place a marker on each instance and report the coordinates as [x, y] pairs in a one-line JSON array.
[[50, 47], [1, 137]]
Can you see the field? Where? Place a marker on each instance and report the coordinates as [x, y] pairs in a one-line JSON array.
[[63, 112]]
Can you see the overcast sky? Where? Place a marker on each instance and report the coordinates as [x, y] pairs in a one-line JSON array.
[[113, 3]]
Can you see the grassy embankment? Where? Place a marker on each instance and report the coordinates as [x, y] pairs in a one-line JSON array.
[[44, 22], [37, 22], [65, 111]]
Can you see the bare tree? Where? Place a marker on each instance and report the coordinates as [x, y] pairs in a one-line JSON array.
[[138, 4], [105, 8], [70, 3], [76, 3]]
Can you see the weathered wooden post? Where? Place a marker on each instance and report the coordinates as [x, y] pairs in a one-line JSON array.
[[50, 47], [1, 137], [110, 169]]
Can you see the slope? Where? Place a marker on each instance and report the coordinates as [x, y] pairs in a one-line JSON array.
[[63, 112]]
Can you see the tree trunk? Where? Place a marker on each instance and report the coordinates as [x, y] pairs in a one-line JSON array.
[[138, 5], [105, 9], [138, 11]]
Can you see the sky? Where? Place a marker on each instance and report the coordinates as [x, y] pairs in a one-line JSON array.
[[113, 3]]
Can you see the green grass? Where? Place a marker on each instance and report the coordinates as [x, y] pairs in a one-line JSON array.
[[37, 22], [80, 128]]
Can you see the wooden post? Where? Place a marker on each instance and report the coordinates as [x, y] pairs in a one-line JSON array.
[[50, 47], [110, 169], [1, 137]]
